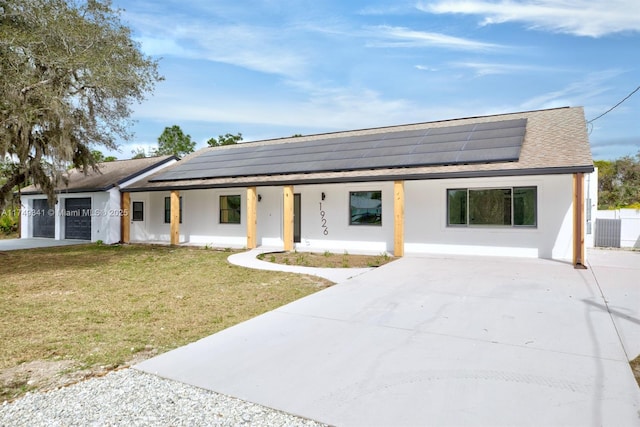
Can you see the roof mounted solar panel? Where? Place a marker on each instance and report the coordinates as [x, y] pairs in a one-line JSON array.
[[499, 141]]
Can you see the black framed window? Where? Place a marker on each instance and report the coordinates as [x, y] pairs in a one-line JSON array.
[[167, 210], [230, 209], [138, 211], [511, 207], [365, 208]]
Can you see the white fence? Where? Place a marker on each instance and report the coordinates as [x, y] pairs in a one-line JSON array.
[[629, 228]]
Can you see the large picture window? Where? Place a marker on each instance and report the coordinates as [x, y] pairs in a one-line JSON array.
[[230, 209], [167, 210], [365, 208], [511, 207]]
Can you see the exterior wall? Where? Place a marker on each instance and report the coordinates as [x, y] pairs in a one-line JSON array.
[[336, 234], [325, 223], [200, 219], [104, 215], [111, 220], [270, 217], [426, 228], [201, 224]]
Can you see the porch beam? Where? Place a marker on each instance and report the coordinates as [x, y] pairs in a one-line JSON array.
[[125, 219], [252, 217], [578, 220], [398, 218], [288, 218], [175, 217]]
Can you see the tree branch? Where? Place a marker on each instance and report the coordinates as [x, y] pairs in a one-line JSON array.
[[17, 178]]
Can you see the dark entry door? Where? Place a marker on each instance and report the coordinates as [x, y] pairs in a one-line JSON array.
[[297, 218], [43, 219], [77, 220]]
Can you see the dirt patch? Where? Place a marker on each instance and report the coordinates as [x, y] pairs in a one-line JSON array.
[[44, 375], [326, 259]]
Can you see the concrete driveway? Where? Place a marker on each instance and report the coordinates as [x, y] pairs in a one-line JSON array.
[[444, 341], [15, 244]]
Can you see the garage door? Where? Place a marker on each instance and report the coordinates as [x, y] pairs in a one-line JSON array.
[[43, 219], [77, 219]]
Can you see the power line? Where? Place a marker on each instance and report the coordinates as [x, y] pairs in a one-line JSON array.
[[615, 106]]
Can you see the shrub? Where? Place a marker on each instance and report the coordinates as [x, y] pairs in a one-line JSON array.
[[9, 221]]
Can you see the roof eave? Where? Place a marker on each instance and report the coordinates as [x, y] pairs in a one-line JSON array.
[[374, 178], [145, 170]]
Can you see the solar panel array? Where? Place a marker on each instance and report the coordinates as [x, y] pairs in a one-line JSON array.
[[499, 141]]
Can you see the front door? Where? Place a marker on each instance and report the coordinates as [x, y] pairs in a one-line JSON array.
[[297, 217]]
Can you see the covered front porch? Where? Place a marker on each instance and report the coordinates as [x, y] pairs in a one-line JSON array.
[[366, 218], [301, 217]]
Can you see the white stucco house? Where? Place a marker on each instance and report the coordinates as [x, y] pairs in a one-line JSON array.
[[509, 184], [88, 206]]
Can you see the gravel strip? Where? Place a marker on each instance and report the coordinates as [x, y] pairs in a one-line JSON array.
[[132, 398]]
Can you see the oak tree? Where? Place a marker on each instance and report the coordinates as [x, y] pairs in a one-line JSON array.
[[69, 74]]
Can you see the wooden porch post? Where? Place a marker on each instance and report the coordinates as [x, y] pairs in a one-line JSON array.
[[125, 219], [398, 218], [288, 218], [578, 220], [175, 217], [252, 217]]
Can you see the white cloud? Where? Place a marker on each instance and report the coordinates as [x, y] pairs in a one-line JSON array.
[[594, 18], [487, 68], [405, 37], [577, 93], [259, 48], [425, 68]]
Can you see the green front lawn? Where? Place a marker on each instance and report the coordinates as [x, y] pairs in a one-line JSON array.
[[98, 306]]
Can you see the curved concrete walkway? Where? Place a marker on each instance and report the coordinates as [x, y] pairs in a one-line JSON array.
[[249, 259]]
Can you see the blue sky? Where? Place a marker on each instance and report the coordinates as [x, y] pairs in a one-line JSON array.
[[274, 68]]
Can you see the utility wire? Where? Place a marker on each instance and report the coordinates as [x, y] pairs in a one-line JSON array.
[[615, 106]]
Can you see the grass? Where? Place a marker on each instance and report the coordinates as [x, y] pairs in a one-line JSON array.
[[326, 259], [99, 305], [635, 367]]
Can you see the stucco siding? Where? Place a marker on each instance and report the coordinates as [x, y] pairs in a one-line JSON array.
[[325, 224], [426, 228]]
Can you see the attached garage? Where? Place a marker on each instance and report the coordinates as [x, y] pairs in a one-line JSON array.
[[89, 203], [43, 219], [77, 218]]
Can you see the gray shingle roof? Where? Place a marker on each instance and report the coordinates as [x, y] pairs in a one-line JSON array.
[[109, 174], [555, 141]]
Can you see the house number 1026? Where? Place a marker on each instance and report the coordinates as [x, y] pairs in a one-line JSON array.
[[323, 221]]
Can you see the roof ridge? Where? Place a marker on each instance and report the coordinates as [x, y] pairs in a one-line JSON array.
[[332, 133]]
